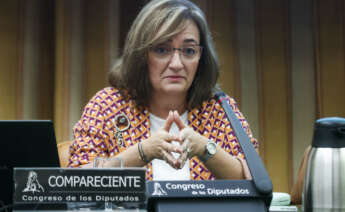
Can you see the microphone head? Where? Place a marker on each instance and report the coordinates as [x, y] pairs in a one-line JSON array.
[[218, 95]]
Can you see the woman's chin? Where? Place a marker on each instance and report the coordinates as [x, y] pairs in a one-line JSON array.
[[175, 90]]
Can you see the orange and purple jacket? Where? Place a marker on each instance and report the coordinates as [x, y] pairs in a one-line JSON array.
[[95, 133]]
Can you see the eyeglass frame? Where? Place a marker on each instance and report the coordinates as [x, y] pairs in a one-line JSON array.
[[169, 55]]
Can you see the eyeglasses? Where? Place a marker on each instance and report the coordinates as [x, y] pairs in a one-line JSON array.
[[187, 53]]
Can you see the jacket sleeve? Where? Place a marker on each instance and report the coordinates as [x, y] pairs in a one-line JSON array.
[[90, 140]]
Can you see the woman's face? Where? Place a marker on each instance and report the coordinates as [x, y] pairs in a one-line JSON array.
[[172, 65]]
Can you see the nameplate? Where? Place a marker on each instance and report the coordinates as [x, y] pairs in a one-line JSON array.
[[204, 188], [61, 185]]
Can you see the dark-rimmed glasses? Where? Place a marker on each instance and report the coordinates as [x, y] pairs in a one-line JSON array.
[[187, 52]]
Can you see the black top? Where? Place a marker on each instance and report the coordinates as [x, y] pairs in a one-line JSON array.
[[329, 133]]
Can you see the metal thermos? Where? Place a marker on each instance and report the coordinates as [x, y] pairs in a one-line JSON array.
[[324, 184]]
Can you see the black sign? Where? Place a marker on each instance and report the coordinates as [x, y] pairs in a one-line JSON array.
[[205, 195], [205, 188], [57, 185]]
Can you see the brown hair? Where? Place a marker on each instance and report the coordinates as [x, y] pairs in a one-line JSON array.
[[157, 22]]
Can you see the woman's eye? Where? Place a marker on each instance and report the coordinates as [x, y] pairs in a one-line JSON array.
[[161, 50], [189, 51]]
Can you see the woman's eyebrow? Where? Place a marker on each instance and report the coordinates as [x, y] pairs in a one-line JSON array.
[[188, 41], [191, 40]]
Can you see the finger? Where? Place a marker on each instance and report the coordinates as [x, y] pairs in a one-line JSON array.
[[182, 160], [168, 147], [162, 135], [178, 121], [185, 145], [185, 155], [169, 121], [169, 159], [183, 135], [171, 137], [246, 171]]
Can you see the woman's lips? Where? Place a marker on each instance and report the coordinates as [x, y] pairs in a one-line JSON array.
[[174, 78]]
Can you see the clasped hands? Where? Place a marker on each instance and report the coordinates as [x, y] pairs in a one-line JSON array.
[[159, 145]]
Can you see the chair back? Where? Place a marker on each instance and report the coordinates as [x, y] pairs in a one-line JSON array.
[[64, 152]]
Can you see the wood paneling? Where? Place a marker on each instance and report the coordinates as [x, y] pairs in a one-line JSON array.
[[77, 70], [222, 18], [274, 89], [27, 57], [245, 29], [46, 79], [128, 12], [38, 59], [303, 78], [10, 53], [96, 51], [63, 69], [330, 52]]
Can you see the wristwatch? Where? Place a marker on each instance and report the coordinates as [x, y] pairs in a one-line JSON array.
[[210, 151]]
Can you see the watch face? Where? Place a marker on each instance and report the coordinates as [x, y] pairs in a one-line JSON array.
[[211, 148]]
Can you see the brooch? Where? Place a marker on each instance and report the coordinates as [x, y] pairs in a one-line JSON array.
[[121, 123]]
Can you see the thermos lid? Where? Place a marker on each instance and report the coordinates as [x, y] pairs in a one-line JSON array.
[[329, 133]]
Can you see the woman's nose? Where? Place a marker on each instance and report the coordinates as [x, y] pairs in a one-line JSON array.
[[176, 60]]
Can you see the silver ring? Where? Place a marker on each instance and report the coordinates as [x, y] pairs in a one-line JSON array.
[[188, 152]]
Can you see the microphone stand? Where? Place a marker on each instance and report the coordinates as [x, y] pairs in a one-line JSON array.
[[260, 176]]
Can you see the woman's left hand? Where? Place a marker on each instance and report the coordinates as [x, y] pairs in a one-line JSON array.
[[193, 143]]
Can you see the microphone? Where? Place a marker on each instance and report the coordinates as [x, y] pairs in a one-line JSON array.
[[261, 179]]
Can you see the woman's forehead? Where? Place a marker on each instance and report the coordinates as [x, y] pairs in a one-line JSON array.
[[190, 35], [185, 28]]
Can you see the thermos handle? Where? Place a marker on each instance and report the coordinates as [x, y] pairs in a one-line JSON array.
[[341, 130]]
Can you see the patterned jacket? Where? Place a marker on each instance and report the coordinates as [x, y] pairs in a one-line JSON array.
[[95, 133]]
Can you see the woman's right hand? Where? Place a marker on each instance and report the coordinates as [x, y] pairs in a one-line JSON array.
[[159, 145]]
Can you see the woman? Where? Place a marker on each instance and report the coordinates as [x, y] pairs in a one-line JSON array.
[[160, 111]]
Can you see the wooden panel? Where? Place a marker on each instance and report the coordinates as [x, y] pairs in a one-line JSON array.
[[329, 26], [274, 90], [96, 52], [9, 55], [77, 71], [31, 58], [46, 67], [128, 12], [38, 60], [223, 26], [62, 77], [247, 62], [114, 31], [303, 78]]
